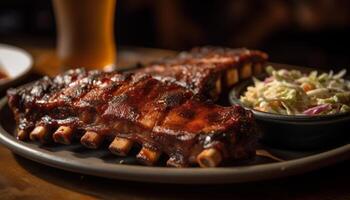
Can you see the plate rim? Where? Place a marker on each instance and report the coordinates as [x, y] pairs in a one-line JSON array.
[[26, 71], [217, 175]]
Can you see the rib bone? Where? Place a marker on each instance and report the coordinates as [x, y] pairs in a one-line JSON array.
[[39, 134], [257, 68], [231, 77], [22, 135], [147, 156], [63, 135], [91, 140], [209, 158], [246, 71], [120, 146], [218, 86]]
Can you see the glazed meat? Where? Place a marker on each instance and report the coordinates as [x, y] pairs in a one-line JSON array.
[[203, 79], [209, 70], [127, 110]]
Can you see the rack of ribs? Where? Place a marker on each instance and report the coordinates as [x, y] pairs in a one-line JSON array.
[[208, 70], [130, 110]]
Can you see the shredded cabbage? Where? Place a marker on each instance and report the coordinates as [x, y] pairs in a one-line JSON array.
[[292, 92]]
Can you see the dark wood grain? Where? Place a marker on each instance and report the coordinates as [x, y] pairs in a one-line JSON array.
[[24, 179]]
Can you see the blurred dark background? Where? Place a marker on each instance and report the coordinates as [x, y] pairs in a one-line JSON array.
[[310, 33]]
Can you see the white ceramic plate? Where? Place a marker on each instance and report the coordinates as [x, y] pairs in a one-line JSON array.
[[14, 62]]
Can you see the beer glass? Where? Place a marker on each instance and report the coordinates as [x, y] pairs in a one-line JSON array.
[[85, 33]]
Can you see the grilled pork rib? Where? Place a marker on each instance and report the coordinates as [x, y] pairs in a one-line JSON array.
[[163, 117], [209, 70], [203, 79]]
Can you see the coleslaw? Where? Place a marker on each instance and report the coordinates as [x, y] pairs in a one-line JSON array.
[[291, 92]]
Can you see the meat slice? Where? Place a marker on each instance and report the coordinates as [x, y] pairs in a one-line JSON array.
[[209, 70], [204, 79], [161, 116], [246, 61], [199, 125]]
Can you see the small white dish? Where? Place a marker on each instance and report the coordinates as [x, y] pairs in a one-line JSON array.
[[14, 63]]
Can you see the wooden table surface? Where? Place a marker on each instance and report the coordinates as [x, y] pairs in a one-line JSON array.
[[24, 179]]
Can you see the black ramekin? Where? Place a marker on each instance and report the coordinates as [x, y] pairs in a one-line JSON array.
[[297, 132]]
